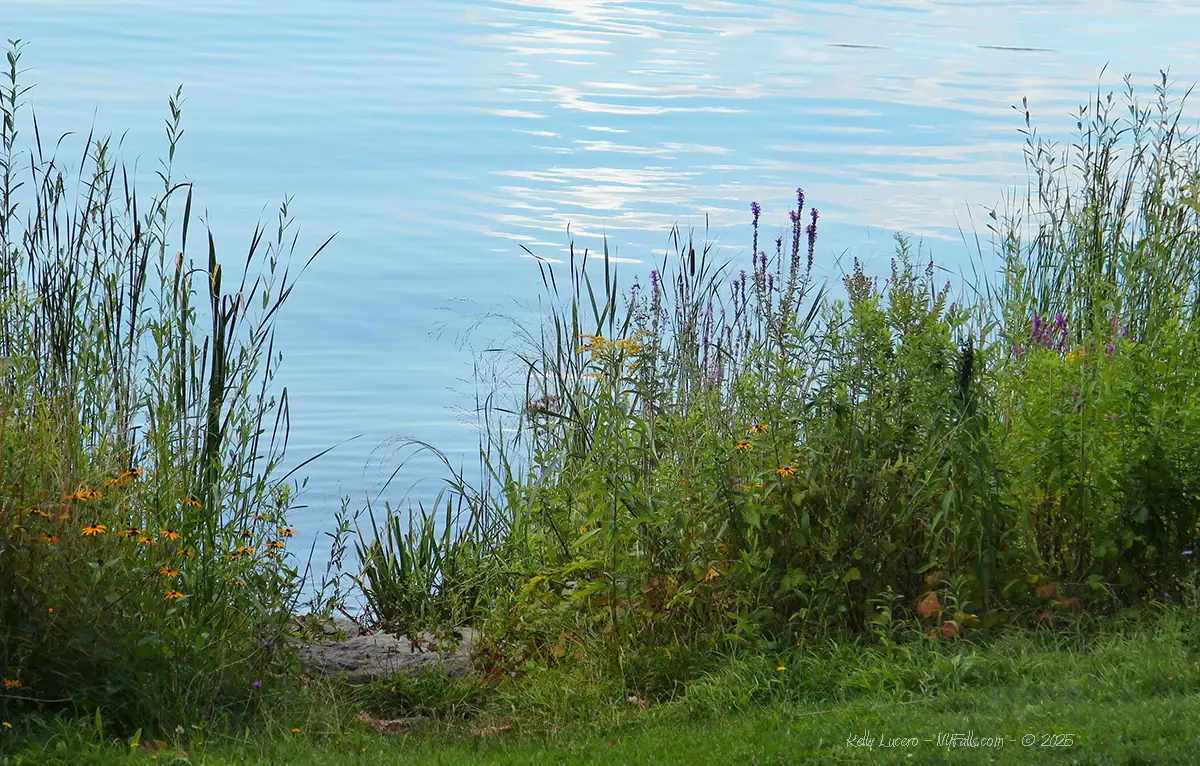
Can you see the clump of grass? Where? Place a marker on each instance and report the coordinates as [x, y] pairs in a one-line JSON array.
[[142, 520], [731, 458]]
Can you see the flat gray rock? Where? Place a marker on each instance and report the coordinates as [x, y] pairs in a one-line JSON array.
[[365, 658]]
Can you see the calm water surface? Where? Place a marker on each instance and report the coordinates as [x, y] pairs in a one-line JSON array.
[[437, 137]]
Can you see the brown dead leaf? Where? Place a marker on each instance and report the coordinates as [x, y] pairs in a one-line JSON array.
[[637, 701]]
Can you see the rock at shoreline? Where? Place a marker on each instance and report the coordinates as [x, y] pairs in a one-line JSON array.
[[367, 657]]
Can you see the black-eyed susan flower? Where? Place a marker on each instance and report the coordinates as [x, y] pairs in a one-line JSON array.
[[786, 471], [286, 532], [237, 582], [92, 530], [84, 495], [167, 571], [12, 683], [759, 428], [171, 595], [275, 544], [6, 724], [64, 516], [49, 538], [148, 541], [743, 444], [130, 532], [259, 517], [135, 473], [170, 534], [246, 534], [191, 501]]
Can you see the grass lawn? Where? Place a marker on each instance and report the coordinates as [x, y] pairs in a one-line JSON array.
[[1119, 691]]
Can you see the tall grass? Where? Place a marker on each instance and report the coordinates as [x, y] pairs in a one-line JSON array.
[[141, 511], [730, 457]]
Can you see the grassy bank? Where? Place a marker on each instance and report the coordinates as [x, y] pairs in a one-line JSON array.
[[726, 502], [1116, 691]]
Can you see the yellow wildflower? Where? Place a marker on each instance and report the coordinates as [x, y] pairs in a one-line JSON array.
[[12, 683], [172, 594], [743, 444], [286, 532], [94, 529], [170, 534], [167, 571], [786, 471]]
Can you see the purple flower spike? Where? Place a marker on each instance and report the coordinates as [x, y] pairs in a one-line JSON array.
[[1111, 349], [756, 209]]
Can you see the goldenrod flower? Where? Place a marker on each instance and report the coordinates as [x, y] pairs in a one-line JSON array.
[[170, 534], [93, 530], [172, 594], [12, 683], [167, 571]]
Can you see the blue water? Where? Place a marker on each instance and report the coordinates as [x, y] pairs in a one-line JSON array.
[[435, 138]]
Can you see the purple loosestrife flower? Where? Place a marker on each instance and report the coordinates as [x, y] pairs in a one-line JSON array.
[[256, 685], [757, 211], [812, 237], [1111, 350], [1017, 351], [770, 283]]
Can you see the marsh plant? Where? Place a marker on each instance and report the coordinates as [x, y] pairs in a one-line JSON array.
[[730, 456], [142, 520]]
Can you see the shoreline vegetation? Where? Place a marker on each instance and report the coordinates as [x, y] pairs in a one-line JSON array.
[[721, 516]]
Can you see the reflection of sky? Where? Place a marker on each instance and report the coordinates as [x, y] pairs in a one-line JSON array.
[[438, 137]]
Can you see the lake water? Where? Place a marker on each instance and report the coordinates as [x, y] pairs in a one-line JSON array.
[[437, 137]]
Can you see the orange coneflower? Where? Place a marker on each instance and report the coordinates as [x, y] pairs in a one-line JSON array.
[[172, 594], [743, 444], [93, 530], [12, 683], [170, 534], [286, 532], [167, 571], [191, 501], [786, 471], [129, 532]]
